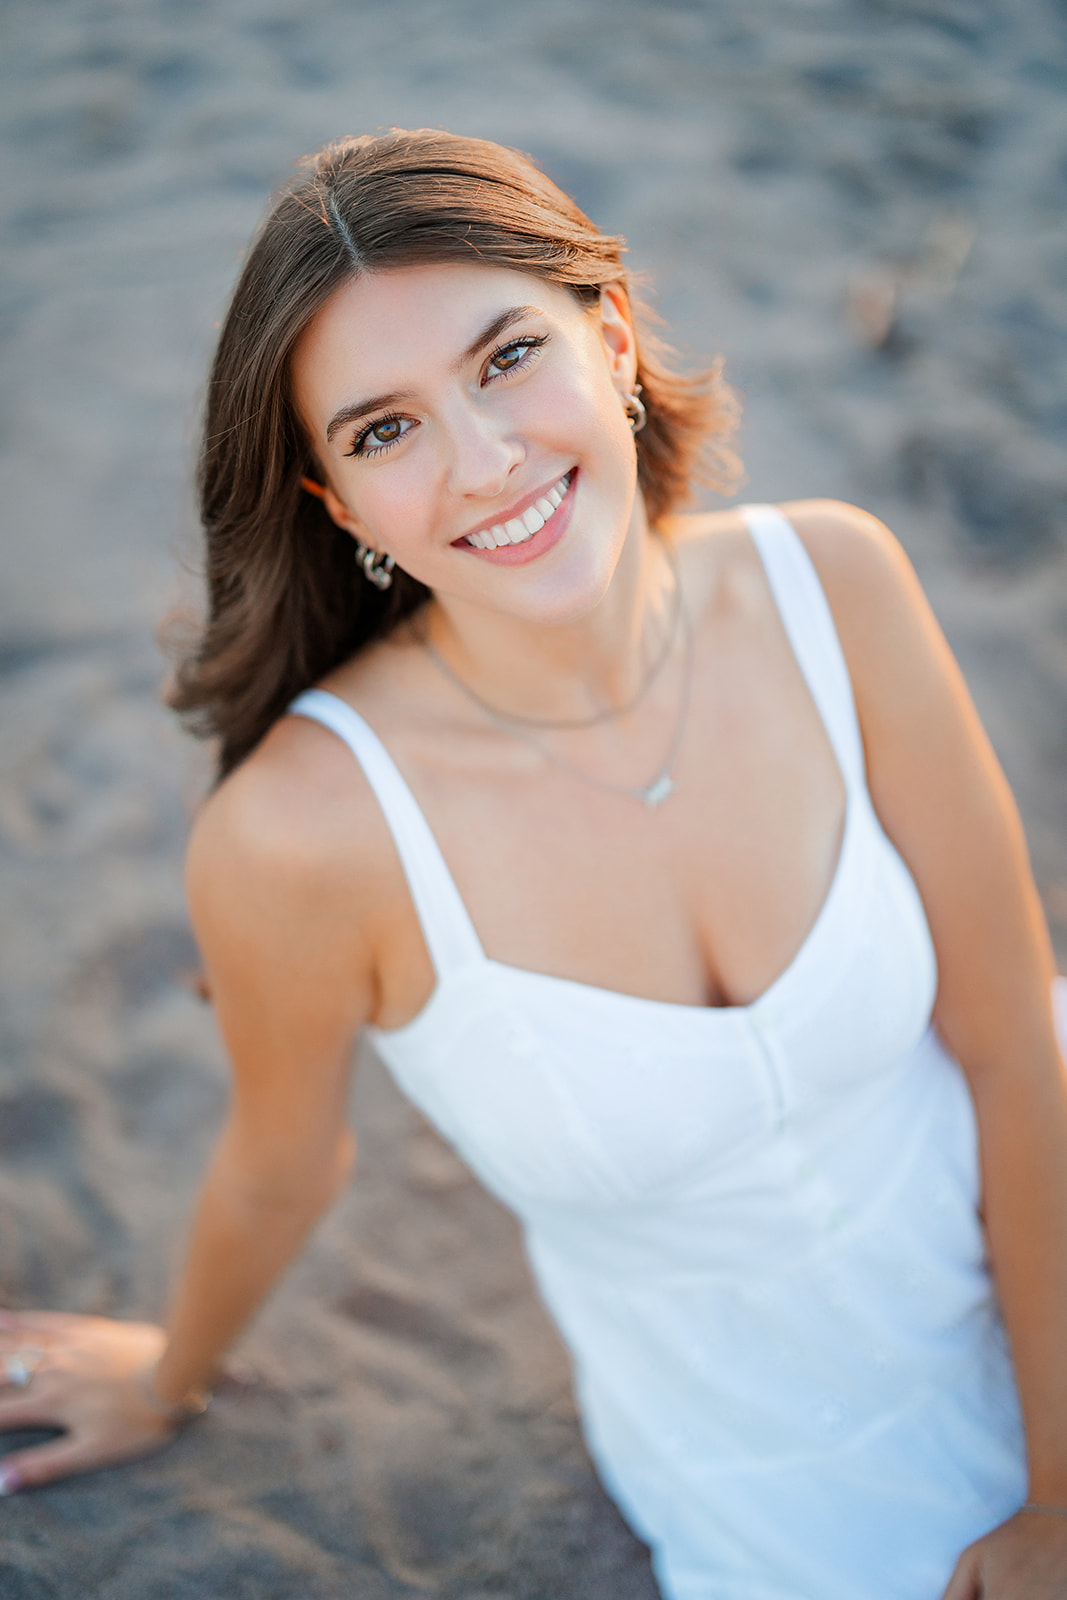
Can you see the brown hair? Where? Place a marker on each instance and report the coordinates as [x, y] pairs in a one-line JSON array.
[[286, 601]]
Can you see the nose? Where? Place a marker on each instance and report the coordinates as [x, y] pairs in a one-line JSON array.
[[483, 450]]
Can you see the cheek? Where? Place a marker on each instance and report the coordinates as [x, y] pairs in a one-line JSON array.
[[396, 505], [578, 412], [590, 421]]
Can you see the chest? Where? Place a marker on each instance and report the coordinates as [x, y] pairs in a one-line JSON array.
[[559, 1092], [701, 901]]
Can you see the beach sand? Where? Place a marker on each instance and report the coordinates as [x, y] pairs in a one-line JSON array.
[[862, 207]]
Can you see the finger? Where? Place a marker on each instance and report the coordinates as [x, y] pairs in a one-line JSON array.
[[965, 1583], [44, 1463], [20, 1359], [23, 1409], [38, 1321]]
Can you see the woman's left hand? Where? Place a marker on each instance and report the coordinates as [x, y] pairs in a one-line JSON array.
[[1024, 1559]]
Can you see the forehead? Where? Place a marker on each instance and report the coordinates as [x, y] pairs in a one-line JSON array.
[[387, 329]]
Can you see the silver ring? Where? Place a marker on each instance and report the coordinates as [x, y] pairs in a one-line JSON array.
[[21, 1364]]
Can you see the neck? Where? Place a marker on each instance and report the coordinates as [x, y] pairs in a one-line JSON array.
[[570, 670]]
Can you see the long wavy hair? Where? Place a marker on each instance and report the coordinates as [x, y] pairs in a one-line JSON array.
[[286, 602]]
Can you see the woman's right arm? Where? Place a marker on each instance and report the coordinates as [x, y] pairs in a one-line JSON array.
[[275, 893], [275, 905]]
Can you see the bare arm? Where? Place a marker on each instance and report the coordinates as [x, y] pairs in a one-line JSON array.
[[291, 978], [943, 800], [276, 895]]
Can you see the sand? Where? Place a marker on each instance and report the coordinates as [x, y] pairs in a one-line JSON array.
[[862, 206]]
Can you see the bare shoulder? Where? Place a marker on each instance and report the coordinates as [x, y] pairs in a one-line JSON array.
[[294, 827], [893, 645], [853, 551], [847, 544], [858, 560]]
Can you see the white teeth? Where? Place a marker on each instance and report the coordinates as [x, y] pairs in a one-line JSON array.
[[518, 529]]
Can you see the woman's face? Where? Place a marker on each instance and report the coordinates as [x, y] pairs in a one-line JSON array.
[[470, 423]]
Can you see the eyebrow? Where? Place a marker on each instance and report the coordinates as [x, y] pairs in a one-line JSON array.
[[363, 408]]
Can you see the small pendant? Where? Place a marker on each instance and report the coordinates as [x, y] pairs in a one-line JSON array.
[[659, 791]]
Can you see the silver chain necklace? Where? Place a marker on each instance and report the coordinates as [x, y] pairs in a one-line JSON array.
[[650, 794], [598, 716]]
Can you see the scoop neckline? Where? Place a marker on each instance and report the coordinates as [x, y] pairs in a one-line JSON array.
[[748, 1010]]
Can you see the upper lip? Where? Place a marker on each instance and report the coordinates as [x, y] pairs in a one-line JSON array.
[[514, 510]]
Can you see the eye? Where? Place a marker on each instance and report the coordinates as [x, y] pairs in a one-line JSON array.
[[512, 356], [377, 437]]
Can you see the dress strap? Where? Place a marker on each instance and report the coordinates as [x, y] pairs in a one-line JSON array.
[[809, 624], [446, 924]]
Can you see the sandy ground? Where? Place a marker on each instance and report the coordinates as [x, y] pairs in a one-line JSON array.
[[862, 205]]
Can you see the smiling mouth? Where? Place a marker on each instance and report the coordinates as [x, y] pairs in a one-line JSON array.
[[518, 529]]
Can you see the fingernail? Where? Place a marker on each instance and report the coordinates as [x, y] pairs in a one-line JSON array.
[[11, 1480]]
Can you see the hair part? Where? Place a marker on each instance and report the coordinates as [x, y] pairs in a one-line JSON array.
[[286, 603]]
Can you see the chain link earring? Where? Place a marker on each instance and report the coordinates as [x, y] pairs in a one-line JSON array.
[[634, 407], [377, 568]]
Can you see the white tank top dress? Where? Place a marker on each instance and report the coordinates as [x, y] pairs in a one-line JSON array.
[[756, 1226]]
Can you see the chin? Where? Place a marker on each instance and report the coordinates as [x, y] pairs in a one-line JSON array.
[[570, 591]]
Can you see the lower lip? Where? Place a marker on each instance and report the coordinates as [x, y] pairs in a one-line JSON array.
[[517, 555]]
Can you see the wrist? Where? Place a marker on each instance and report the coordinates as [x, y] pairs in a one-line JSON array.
[[1047, 1485], [185, 1408]]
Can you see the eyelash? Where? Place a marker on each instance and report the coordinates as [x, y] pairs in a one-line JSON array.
[[529, 344]]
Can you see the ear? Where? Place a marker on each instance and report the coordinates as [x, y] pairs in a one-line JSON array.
[[617, 331], [345, 519]]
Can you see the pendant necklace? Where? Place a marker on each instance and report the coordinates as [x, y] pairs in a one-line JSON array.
[[663, 784]]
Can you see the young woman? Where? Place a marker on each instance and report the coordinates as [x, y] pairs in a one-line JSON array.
[[668, 867]]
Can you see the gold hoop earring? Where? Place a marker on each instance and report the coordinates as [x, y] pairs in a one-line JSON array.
[[377, 568], [634, 407]]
